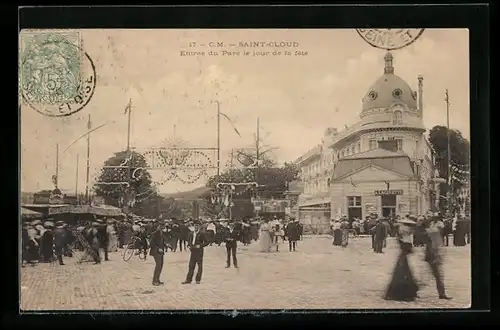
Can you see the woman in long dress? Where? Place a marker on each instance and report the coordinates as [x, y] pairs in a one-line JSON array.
[[266, 236], [344, 237], [403, 286], [337, 233]]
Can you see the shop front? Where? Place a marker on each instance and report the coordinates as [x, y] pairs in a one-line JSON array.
[[365, 199]]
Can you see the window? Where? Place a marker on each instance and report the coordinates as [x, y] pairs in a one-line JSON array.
[[373, 144], [342, 154], [354, 201], [400, 144], [352, 150], [397, 93], [397, 118], [359, 146]]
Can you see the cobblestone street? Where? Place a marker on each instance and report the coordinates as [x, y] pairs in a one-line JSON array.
[[318, 275]]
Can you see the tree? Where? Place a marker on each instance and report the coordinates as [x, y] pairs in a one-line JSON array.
[[459, 151], [272, 181], [133, 171]]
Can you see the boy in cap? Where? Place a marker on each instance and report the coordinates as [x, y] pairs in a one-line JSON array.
[[196, 242]]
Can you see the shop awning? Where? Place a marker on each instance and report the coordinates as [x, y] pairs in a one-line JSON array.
[[29, 214], [103, 210]]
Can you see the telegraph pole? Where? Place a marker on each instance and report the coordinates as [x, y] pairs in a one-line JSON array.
[[257, 151], [218, 138], [87, 179], [57, 164], [448, 178], [76, 181], [129, 109]]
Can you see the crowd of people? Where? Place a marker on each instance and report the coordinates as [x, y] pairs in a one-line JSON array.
[[432, 233], [53, 241], [379, 228]]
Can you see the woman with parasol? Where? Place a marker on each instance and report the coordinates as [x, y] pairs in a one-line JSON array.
[[403, 286]]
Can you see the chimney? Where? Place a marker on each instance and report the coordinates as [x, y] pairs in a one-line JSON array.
[[421, 96]]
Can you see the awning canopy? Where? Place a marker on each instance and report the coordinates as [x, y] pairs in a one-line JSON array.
[[29, 214], [104, 210]]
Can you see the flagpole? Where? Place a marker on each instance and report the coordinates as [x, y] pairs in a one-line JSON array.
[[218, 138]]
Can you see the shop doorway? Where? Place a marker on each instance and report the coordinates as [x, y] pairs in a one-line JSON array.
[[353, 207], [354, 212], [388, 205]]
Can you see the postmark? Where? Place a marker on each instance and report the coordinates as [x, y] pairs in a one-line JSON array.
[[390, 39], [57, 78]]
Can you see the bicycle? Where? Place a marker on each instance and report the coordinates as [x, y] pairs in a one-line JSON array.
[[131, 249], [353, 233]]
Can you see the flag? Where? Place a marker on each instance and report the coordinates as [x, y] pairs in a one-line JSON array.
[[232, 124], [128, 107]]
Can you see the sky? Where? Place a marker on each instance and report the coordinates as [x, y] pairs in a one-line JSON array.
[[295, 97]]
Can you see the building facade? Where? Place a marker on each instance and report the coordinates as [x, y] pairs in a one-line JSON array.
[[382, 164]]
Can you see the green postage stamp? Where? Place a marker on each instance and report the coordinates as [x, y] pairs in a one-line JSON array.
[[50, 66]]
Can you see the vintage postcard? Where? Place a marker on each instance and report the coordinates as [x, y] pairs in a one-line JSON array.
[[170, 169]]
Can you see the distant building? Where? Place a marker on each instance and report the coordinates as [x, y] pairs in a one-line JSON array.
[[382, 164]]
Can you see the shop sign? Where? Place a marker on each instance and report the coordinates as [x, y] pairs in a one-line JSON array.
[[403, 208], [389, 192], [370, 208]]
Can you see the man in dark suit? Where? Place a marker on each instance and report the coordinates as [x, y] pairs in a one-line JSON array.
[[231, 238], [292, 230], [157, 251], [103, 238], [59, 241], [196, 243]]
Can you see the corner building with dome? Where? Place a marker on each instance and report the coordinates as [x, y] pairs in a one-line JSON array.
[[382, 164]]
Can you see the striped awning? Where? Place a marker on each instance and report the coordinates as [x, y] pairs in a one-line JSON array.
[[29, 214]]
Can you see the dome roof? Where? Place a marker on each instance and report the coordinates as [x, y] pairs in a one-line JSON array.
[[389, 89]]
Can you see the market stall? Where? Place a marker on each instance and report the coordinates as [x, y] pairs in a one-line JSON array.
[[29, 215], [74, 214]]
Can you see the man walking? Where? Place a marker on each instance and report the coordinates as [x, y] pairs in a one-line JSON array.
[[103, 238], [157, 251], [196, 242], [231, 238], [292, 229], [59, 241], [433, 242]]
